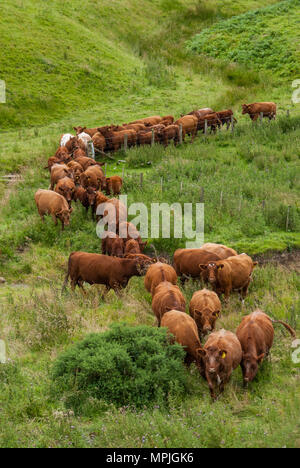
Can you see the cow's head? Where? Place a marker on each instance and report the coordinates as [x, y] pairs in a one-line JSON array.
[[250, 365], [118, 248], [79, 130], [213, 358], [245, 109], [205, 320], [64, 216], [91, 195], [142, 262], [211, 270]]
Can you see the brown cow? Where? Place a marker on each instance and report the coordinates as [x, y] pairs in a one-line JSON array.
[[221, 355], [187, 261], [232, 274], [77, 170], [128, 231], [159, 273], [99, 142], [205, 308], [113, 272], [148, 121], [51, 161], [89, 131], [268, 109], [66, 188], [114, 185], [171, 132], [73, 144], [189, 125], [144, 137], [53, 204], [219, 249], [93, 177], [213, 122], [167, 296], [226, 117], [256, 335], [115, 140], [112, 208], [200, 112], [86, 162], [184, 330], [59, 171], [112, 245], [132, 247], [167, 120], [81, 195], [63, 154], [137, 126]]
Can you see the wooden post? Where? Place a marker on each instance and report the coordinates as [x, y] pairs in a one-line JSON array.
[[288, 113], [141, 180], [91, 149], [202, 195], [287, 218], [105, 169], [263, 204], [152, 137], [232, 123], [180, 134], [205, 127], [125, 142], [261, 116]]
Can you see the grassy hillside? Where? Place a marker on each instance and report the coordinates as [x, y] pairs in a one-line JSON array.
[[63, 59], [262, 39], [92, 62]]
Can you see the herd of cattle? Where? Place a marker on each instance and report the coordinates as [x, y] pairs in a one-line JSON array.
[[76, 177]]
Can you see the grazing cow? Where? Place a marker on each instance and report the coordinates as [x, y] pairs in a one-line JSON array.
[[115, 140], [219, 249], [132, 247], [184, 330], [268, 109], [65, 138], [76, 169], [89, 131], [84, 138], [205, 308], [167, 296], [112, 245], [225, 117], [99, 142], [128, 231], [232, 274], [189, 125], [159, 273], [81, 195], [63, 154], [66, 188], [112, 208], [113, 272], [53, 204], [256, 335], [73, 144], [187, 261], [171, 132], [93, 177], [148, 121], [213, 122], [59, 171], [114, 185], [221, 355]]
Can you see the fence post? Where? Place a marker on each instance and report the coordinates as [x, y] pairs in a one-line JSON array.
[[105, 169], [202, 195], [205, 127], [180, 134], [221, 199], [288, 113], [141, 180], [91, 149], [261, 116], [287, 218], [125, 142], [152, 137], [123, 173], [232, 123]]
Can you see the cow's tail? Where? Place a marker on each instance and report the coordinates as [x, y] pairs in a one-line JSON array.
[[67, 276], [287, 326]]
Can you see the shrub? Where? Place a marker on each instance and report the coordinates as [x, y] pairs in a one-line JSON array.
[[125, 365]]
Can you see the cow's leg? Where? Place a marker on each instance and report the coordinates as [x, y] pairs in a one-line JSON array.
[[42, 215], [188, 360], [255, 117], [80, 284], [54, 218]]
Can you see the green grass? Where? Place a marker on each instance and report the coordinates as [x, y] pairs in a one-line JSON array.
[[71, 65]]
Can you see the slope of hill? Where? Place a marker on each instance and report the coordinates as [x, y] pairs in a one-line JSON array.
[[59, 59], [262, 39]]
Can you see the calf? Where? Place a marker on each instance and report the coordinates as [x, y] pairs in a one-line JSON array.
[[256, 335], [221, 250], [167, 296], [59, 171], [53, 204], [187, 263], [113, 272], [81, 195], [112, 244], [221, 355], [171, 132], [205, 308], [184, 330], [66, 188], [233, 273], [114, 185], [93, 177], [159, 273], [189, 125], [63, 154], [268, 109]]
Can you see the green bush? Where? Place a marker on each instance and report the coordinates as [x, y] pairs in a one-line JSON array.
[[126, 366]]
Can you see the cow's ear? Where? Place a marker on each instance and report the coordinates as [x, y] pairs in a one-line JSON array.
[[223, 353], [260, 358], [202, 267], [201, 352], [220, 266]]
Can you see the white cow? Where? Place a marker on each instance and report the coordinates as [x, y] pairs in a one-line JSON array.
[[65, 138], [85, 138]]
